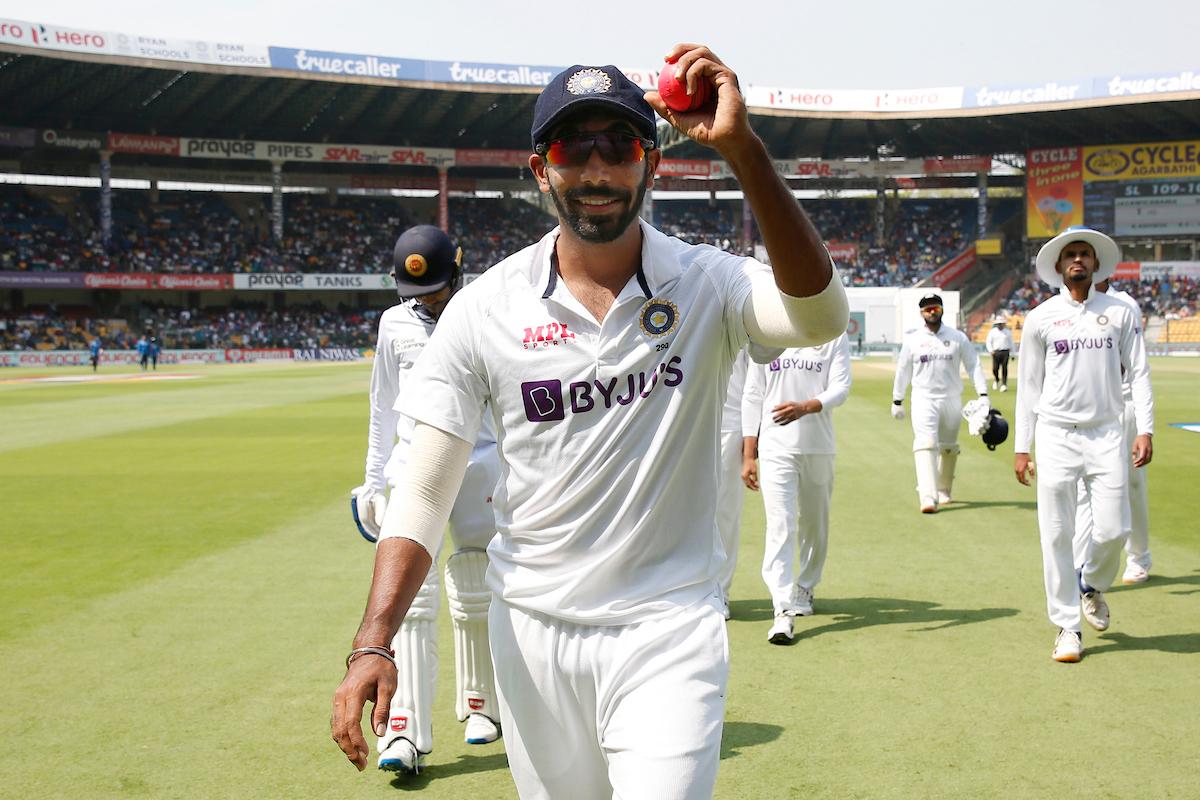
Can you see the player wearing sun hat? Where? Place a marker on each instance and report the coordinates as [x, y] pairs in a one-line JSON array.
[[603, 353], [1074, 349]]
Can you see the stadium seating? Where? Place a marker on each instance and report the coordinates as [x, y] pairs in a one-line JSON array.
[[209, 328]]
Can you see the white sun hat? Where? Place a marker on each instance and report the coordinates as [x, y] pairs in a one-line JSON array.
[[1108, 254]]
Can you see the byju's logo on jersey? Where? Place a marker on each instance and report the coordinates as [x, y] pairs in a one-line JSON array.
[[810, 364], [659, 317], [1064, 346], [545, 401], [549, 335], [927, 357]]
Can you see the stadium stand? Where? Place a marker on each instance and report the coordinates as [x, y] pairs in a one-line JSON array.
[[241, 325]]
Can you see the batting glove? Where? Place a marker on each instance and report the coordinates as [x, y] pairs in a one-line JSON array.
[[367, 505], [897, 411]]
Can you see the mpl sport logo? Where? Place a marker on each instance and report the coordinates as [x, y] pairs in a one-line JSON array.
[[398, 724], [545, 401], [551, 334]]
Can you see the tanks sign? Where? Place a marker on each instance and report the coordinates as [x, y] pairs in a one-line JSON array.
[[295, 281]]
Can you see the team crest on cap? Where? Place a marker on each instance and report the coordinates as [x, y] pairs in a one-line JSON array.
[[416, 265], [659, 317], [589, 81]]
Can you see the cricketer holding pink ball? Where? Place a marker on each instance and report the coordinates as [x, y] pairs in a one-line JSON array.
[[610, 650]]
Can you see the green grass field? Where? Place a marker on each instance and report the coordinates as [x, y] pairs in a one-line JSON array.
[[180, 582]]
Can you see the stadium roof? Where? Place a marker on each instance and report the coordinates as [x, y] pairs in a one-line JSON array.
[[92, 94]]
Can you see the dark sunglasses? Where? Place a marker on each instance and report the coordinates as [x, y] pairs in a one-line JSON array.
[[614, 147]]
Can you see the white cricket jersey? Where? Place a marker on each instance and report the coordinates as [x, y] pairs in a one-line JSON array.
[[801, 373], [999, 339], [1070, 365], [402, 337], [1126, 385], [731, 413], [932, 360], [608, 432]]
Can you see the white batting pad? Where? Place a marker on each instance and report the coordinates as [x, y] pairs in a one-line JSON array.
[[469, 599]]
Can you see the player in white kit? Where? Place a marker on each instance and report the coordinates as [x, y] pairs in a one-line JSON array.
[[603, 353], [1074, 348], [1136, 507], [427, 272], [787, 423], [730, 494], [930, 357]]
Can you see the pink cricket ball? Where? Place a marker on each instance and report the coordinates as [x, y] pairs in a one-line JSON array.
[[674, 91]]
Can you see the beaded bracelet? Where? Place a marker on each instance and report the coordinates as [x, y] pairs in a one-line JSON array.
[[382, 652]]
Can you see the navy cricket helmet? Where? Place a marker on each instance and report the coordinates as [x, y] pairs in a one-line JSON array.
[[996, 432], [425, 261]]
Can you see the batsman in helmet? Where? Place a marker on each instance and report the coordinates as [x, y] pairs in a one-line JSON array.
[[428, 271]]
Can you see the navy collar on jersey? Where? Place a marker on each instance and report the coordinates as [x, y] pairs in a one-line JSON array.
[[552, 281]]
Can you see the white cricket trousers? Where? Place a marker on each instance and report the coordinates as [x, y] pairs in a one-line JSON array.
[[1135, 512], [1066, 455], [935, 420], [796, 490], [612, 712], [731, 493]]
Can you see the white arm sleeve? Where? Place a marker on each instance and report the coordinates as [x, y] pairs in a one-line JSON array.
[[752, 400], [776, 319], [381, 430], [421, 502]]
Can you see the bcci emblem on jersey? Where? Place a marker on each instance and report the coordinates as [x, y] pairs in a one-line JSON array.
[[659, 317]]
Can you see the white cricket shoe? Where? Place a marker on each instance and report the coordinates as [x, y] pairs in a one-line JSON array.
[[1004, 387], [1135, 573], [1095, 610], [481, 730], [1068, 647], [781, 630], [995, 385], [401, 755], [802, 600], [928, 505], [944, 499]]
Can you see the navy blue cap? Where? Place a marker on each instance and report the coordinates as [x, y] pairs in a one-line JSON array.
[[931, 300], [579, 86], [424, 261]]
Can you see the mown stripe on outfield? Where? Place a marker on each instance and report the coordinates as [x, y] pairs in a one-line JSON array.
[[88, 517], [51, 414]]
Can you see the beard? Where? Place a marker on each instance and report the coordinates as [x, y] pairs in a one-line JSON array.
[[574, 214]]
